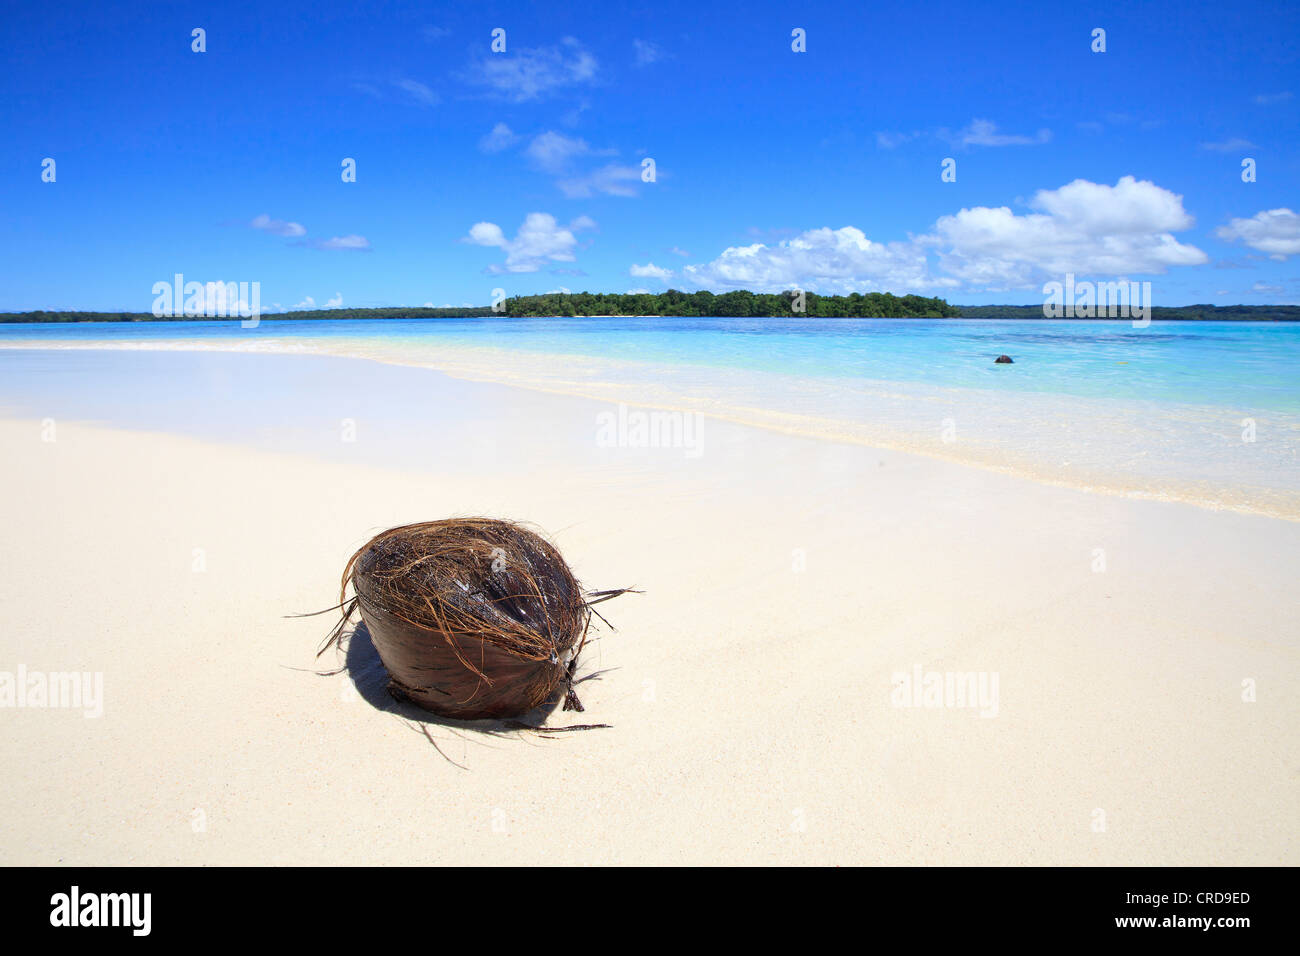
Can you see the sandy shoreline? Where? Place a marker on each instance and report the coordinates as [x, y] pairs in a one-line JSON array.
[[752, 697]]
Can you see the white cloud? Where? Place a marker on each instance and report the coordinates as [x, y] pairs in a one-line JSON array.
[[1267, 99], [1083, 227], [646, 52], [539, 240], [887, 140], [1229, 145], [352, 242], [819, 259], [680, 252], [336, 302], [612, 180], [501, 137], [419, 91], [1274, 231], [554, 152], [278, 227], [1263, 288], [650, 271], [307, 303], [532, 74], [982, 132]]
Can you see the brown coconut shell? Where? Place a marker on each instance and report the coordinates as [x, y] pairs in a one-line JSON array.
[[472, 617]]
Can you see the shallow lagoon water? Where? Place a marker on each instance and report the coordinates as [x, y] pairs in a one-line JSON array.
[[1202, 412]]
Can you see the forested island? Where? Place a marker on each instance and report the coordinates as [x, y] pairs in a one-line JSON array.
[[742, 304]]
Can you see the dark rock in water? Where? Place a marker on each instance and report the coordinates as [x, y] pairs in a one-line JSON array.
[[1003, 360]]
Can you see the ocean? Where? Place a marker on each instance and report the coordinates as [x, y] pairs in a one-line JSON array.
[[1202, 412]]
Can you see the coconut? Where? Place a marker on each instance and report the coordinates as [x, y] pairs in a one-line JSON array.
[[471, 617]]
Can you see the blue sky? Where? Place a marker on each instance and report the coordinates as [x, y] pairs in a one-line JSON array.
[[774, 169]]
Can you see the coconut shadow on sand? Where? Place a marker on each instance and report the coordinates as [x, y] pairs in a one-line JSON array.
[[363, 667]]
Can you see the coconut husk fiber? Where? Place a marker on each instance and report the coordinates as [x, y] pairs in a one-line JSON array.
[[472, 617]]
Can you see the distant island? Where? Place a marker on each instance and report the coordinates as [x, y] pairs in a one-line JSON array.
[[737, 304], [1185, 313]]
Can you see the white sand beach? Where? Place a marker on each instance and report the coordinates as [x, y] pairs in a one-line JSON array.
[[750, 689]]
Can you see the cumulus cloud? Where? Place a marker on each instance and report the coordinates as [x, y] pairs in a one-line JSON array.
[[650, 271], [278, 227], [1274, 231], [1083, 227], [540, 239], [501, 137], [535, 73], [336, 302], [307, 303], [819, 259]]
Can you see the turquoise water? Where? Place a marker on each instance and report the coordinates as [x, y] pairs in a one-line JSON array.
[[1234, 364], [1202, 412]]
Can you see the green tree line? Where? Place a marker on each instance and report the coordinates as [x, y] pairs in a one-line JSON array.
[[741, 303]]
